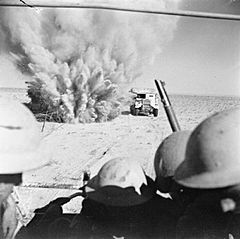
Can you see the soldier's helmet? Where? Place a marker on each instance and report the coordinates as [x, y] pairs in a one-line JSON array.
[[212, 158], [20, 140], [168, 157], [120, 182]]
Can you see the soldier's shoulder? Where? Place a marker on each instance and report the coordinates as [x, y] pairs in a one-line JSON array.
[[160, 203]]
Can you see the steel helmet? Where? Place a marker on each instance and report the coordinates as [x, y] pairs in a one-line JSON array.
[[212, 158], [120, 182], [168, 157], [20, 147]]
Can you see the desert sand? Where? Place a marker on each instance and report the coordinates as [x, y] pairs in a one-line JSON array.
[[77, 147]]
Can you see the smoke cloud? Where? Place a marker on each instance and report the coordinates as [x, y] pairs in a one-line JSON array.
[[81, 61]]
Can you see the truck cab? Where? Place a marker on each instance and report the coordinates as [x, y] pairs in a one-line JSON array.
[[145, 102]]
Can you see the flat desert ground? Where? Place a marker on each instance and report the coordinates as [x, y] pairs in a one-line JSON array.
[[75, 148]]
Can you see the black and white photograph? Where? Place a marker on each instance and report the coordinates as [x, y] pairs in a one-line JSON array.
[[119, 119]]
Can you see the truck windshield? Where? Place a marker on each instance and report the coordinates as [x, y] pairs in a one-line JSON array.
[[142, 96]]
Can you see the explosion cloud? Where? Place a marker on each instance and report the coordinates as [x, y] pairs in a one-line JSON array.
[[81, 61]]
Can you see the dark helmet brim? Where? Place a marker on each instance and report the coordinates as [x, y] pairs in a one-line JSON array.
[[117, 196]]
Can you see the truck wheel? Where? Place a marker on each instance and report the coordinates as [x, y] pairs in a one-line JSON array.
[[155, 112], [132, 110], [137, 111]]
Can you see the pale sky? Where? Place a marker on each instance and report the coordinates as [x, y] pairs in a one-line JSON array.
[[202, 58], [204, 55]]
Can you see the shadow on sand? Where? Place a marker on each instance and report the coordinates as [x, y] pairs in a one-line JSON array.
[[125, 112], [96, 220]]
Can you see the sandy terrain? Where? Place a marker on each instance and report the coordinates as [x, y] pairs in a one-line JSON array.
[[79, 147]]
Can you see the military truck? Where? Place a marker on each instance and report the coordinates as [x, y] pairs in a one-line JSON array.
[[145, 102]]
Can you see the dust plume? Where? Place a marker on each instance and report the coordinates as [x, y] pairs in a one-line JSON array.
[[81, 61]]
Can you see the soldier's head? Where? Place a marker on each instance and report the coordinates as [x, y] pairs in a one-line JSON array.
[[20, 151], [212, 159], [20, 147], [120, 182], [168, 157]]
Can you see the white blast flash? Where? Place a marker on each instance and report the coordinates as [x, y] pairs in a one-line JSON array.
[[82, 60]]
